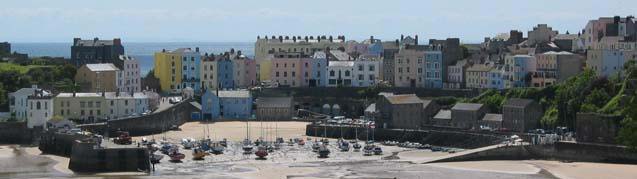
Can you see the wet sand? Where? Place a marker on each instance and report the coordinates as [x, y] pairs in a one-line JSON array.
[[300, 162]]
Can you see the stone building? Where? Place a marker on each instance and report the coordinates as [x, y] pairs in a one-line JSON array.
[[555, 67], [442, 118], [274, 108], [408, 68], [5, 48], [467, 115], [98, 77], [542, 33], [521, 114], [491, 121], [605, 62], [594, 127], [96, 51], [404, 111]]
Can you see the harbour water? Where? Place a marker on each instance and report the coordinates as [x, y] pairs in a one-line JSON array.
[[143, 51]]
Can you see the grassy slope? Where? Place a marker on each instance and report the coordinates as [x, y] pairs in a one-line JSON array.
[[19, 68]]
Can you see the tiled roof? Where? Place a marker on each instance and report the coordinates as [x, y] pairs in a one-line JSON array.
[[102, 67], [467, 106]]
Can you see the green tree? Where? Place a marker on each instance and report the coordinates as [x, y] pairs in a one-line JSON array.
[[628, 133]]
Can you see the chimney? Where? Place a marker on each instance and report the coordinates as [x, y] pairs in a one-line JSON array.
[[416, 37], [397, 43], [239, 53], [266, 37], [294, 38], [74, 93], [402, 37], [280, 38], [95, 39], [258, 37], [331, 39], [163, 50], [75, 40], [196, 49], [117, 41], [371, 39]]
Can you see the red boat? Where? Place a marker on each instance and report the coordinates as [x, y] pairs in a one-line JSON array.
[[301, 142], [175, 156], [261, 152]]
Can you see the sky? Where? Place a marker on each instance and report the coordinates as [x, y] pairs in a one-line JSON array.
[[244, 20]]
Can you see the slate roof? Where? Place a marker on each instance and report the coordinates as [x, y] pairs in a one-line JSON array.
[[92, 42], [492, 117], [443, 114], [404, 99], [234, 94], [274, 102], [341, 63], [467, 106], [518, 102]]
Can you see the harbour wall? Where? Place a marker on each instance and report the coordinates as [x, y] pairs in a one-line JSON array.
[[86, 158], [563, 151], [456, 139], [149, 124], [19, 133]]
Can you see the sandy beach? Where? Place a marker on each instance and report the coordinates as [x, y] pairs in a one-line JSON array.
[[294, 161], [234, 131]]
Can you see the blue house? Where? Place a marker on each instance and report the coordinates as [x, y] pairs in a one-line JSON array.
[[433, 69], [496, 76], [225, 73], [191, 61], [233, 104], [318, 69]]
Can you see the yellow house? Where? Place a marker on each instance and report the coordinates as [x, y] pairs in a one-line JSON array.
[[168, 70], [264, 69]]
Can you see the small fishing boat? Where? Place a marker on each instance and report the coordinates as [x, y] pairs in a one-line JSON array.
[[325, 141], [224, 142], [323, 151], [343, 145], [261, 152], [301, 142], [247, 146], [357, 147], [315, 146], [378, 150], [155, 158], [368, 150], [198, 153], [291, 142], [165, 148], [175, 156], [188, 143], [217, 148]]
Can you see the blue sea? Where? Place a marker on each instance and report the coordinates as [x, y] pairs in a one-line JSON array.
[[141, 51]]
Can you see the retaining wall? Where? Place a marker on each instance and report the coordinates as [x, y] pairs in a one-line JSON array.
[[86, 158], [433, 137]]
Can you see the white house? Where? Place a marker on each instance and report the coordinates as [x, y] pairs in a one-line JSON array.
[[40, 108], [32, 105], [129, 77], [125, 104], [340, 73], [366, 73]]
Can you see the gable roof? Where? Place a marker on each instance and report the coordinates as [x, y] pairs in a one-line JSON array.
[[404, 99], [443, 114], [492, 117], [467, 106]]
